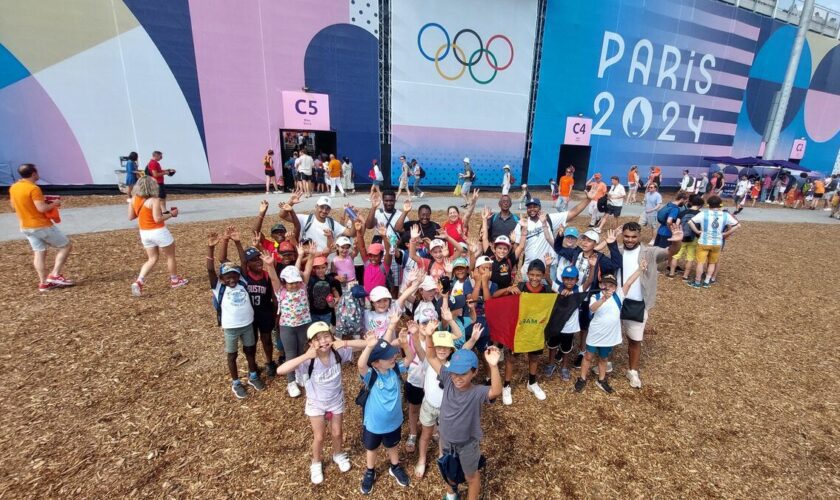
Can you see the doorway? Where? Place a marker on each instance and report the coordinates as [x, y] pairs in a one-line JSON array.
[[316, 142], [578, 156]]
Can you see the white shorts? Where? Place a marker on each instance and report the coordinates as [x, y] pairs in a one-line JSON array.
[[319, 408], [633, 329], [160, 237], [428, 414]]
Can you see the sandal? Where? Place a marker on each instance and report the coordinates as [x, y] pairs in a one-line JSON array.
[[419, 470], [410, 443]]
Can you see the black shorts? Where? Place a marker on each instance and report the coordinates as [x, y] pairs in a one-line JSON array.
[[305, 177], [583, 315], [264, 324], [562, 340], [613, 210], [661, 241], [414, 395], [818, 195], [161, 192], [269, 172], [372, 441]]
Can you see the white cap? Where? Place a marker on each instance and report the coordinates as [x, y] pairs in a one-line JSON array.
[[506, 167], [324, 200], [483, 260], [436, 243], [343, 240], [503, 240], [428, 284], [592, 235], [290, 274], [466, 159], [378, 293]]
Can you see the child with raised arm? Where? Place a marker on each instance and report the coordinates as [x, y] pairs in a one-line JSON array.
[[319, 370], [382, 305], [376, 257], [605, 327]]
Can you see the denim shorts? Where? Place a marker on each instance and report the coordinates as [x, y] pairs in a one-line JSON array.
[[232, 336], [43, 237], [601, 352]]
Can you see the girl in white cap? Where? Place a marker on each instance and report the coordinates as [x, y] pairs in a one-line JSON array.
[[382, 305], [506, 180]]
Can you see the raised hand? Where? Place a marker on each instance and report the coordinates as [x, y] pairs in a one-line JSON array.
[[267, 259], [474, 247], [477, 331], [593, 259], [255, 239], [612, 234], [382, 231], [413, 327], [433, 325], [286, 207], [328, 233], [312, 352], [403, 336], [295, 198], [523, 224], [485, 213], [375, 201], [407, 206], [212, 239], [234, 233], [227, 232], [371, 339], [543, 217], [415, 232], [447, 266], [547, 260], [492, 355], [357, 224], [474, 198], [394, 318], [264, 207]]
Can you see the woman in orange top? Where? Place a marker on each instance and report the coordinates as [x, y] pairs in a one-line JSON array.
[[632, 183], [147, 209]]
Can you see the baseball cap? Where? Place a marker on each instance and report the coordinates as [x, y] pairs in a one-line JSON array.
[[483, 260], [251, 253], [429, 283], [316, 328], [343, 240], [285, 246], [374, 248], [534, 201], [227, 267], [571, 231], [466, 159], [609, 278], [442, 339], [592, 235], [436, 243], [319, 261], [378, 293], [324, 200], [460, 262], [382, 350], [570, 272], [290, 274], [278, 228], [502, 240], [462, 361]]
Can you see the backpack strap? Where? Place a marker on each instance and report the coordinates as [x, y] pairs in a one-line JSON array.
[[307, 225], [312, 362]]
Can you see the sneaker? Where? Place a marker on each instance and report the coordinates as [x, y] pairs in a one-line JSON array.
[[694, 284], [137, 288], [271, 370], [578, 360], [293, 389], [367, 481], [604, 386], [316, 473], [565, 374], [706, 284], [633, 377], [59, 280], [580, 384], [399, 474], [239, 390], [256, 383], [46, 287], [537, 391], [178, 282], [342, 461], [609, 368], [507, 398], [549, 370]]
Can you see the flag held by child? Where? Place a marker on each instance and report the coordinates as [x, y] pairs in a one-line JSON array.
[[518, 322]]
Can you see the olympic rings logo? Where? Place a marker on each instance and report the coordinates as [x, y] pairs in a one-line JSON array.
[[467, 63]]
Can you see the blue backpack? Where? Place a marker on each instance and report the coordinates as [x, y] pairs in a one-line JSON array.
[[664, 212]]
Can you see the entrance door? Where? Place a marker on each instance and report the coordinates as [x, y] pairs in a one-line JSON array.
[[579, 157]]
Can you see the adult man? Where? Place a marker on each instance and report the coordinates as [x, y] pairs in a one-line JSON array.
[[674, 208], [303, 166], [318, 226], [566, 184], [615, 197], [652, 203], [702, 184], [641, 297], [709, 224], [405, 173], [154, 169], [290, 174], [502, 223], [597, 190], [334, 179], [387, 216], [416, 171], [428, 228], [31, 208], [687, 183]]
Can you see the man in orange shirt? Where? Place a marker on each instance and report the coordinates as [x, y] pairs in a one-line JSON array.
[[566, 184], [334, 177], [28, 202], [597, 186]]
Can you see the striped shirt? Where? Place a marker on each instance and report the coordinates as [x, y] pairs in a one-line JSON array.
[[711, 223]]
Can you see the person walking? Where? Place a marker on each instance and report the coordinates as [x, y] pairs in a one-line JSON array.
[[158, 173], [334, 179], [507, 179], [404, 175], [567, 183], [467, 176], [131, 172], [270, 174], [632, 183], [35, 214], [417, 172]]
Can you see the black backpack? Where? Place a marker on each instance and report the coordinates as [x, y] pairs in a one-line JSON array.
[[685, 217], [312, 362], [364, 392], [422, 173]]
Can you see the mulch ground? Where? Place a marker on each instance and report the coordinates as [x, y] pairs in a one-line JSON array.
[[108, 395]]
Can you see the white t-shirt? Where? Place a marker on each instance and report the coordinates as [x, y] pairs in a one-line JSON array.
[[378, 321], [605, 327], [536, 245], [616, 195], [236, 306], [316, 230], [630, 262], [417, 370], [573, 323], [377, 173], [304, 164], [433, 392], [743, 187], [324, 386], [382, 219]]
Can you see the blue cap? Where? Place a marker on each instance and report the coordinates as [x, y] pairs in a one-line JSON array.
[[382, 350], [534, 201], [227, 267], [251, 253], [571, 231], [570, 272], [358, 291], [462, 361]]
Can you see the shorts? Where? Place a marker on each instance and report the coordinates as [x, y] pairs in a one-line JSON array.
[[305, 177], [43, 237], [161, 192], [818, 195], [429, 414], [708, 253], [326, 317], [688, 251], [466, 187], [372, 441], [469, 454], [314, 408], [644, 218], [413, 394], [269, 172], [661, 241], [613, 210], [601, 352], [564, 341], [160, 237], [376, 183], [264, 324], [232, 336], [633, 329]]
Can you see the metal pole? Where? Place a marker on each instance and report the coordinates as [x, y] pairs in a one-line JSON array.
[[787, 84]]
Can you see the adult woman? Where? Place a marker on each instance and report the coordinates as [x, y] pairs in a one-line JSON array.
[[655, 177], [268, 167], [458, 228], [632, 183], [715, 187], [147, 208], [347, 175], [131, 172], [467, 176]]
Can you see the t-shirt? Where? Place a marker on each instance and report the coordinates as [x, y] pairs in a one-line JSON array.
[[652, 200], [673, 214], [425, 311], [377, 322], [304, 164], [319, 289], [426, 230], [742, 188], [434, 269], [374, 275], [335, 168], [452, 229], [261, 293], [316, 230], [536, 245], [345, 267], [432, 390], [712, 223], [236, 306], [566, 184], [324, 386], [460, 410], [293, 307], [389, 221], [24, 194], [819, 187], [501, 226], [632, 177], [600, 189], [630, 262], [383, 410], [154, 166], [617, 194], [501, 273], [605, 326], [416, 369]]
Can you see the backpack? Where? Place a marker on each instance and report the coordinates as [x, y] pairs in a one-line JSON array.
[[318, 299], [364, 392], [217, 299], [349, 314], [308, 224], [685, 217], [662, 214], [597, 296], [372, 174], [512, 179], [602, 203], [422, 172]]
